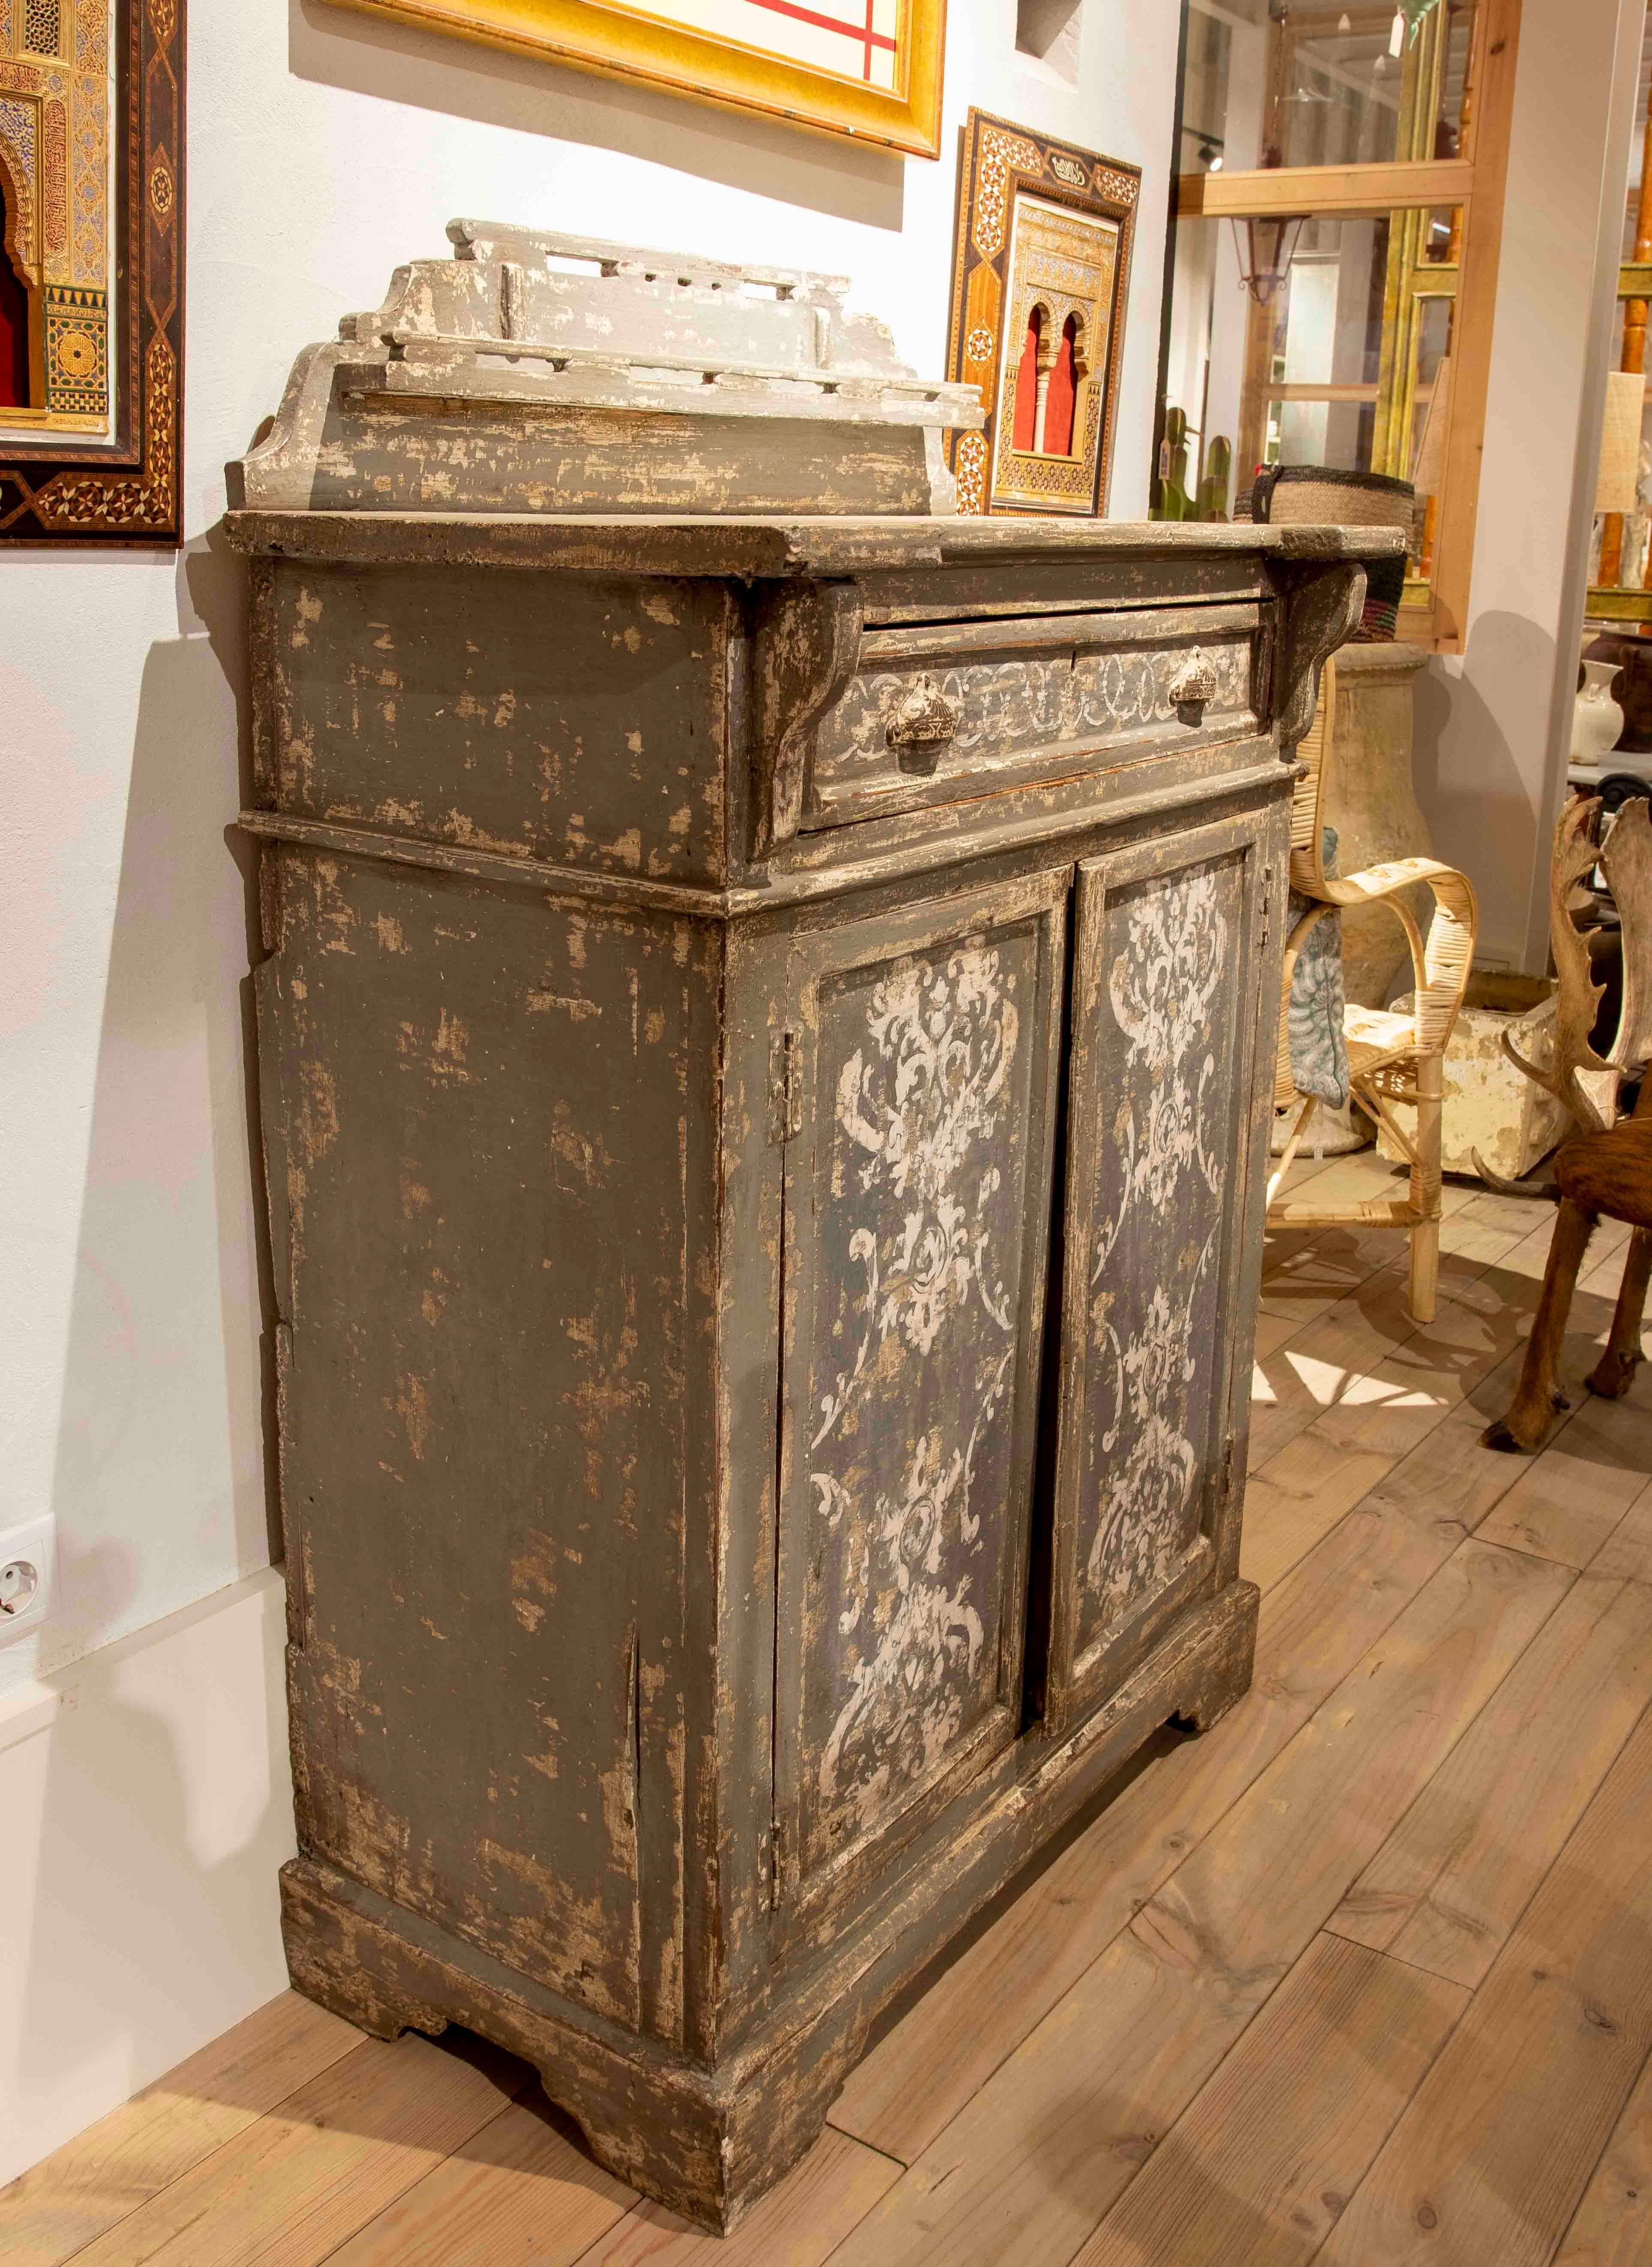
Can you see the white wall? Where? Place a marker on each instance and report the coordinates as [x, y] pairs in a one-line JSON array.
[[324, 146], [1492, 727], [147, 1810]]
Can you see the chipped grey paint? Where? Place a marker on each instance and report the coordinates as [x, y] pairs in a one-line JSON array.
[[683, 1639], [531, 718]]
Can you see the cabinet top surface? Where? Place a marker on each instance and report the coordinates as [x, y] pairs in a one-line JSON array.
[[740, 546]]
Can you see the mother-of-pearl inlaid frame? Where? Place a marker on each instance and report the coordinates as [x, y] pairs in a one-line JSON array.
[[1039, 224], [91, 164]]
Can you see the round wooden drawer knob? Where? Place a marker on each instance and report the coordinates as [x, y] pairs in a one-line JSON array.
[[922, 727], [1193, 685]]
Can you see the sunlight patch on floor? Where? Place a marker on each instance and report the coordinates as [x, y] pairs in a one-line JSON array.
[[1333, 1387]]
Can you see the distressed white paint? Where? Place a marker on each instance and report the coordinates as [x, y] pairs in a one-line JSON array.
[[920, 1102], [1162, 991]]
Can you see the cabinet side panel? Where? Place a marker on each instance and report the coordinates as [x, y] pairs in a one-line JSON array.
[[1165, 1047], [484, 1151], [566, 717]]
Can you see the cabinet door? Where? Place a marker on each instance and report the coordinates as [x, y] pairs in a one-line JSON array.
[[1170, 977], [916, 1218]]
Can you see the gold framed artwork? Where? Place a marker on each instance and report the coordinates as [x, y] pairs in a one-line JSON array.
[[1041, 278], [869, 68], [91, 281]]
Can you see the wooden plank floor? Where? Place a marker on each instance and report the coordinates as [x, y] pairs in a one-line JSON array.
[[1364, 1976]]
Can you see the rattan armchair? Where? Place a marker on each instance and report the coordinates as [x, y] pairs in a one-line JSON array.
[[1393, 1056]]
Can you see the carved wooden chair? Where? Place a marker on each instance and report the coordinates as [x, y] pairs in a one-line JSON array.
[[1605, 1166], [1392, 1056]]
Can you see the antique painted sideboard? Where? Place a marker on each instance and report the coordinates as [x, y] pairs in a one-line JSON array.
[[765, 1058]]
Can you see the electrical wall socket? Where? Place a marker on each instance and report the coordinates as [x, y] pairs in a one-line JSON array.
[[28, 1554]]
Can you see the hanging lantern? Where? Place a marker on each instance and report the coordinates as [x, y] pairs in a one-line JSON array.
[[1266, 250], [1268, 245]]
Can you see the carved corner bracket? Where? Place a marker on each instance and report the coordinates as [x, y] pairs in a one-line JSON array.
[[806, 646], [1323, 607]]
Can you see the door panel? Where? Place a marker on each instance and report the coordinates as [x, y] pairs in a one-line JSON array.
[[915, 1222], [1165, 980]]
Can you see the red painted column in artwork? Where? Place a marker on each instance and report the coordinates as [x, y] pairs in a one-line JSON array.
[[14, 327], [1027, 384], [1058, 415]]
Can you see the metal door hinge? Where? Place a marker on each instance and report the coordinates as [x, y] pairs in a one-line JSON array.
[[785, 1087], [1267, 906], [768, 1866], [1227, 1469]]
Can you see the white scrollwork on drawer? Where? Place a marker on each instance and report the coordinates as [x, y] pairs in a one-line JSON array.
[[1055, 697]]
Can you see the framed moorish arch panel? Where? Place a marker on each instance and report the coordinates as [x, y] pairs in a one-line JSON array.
[[91, 179], [1040, 278]]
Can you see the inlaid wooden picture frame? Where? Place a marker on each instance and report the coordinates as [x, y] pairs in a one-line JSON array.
[[92, 271], [1040, 283], [867, 68]]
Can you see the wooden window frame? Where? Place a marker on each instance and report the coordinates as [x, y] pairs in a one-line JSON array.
[[1617, 601], [1435, 613]]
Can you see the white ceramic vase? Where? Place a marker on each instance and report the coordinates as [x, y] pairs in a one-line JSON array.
[[1597, 719]]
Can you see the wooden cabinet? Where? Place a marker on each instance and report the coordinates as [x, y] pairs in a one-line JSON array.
[[765, 1331], [765, 1056]]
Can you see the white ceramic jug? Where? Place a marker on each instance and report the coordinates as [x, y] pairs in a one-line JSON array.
[[1597, 719]]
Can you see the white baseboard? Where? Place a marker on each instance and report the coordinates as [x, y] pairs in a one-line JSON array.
[[144, 1808]]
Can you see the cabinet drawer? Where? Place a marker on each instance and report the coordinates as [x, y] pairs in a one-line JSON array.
[[940, 711]]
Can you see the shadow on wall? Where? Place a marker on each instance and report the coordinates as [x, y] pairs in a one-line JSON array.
[[215, 578], [157, 1799], [1481, 729], [375, 56], [170, 1276]]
